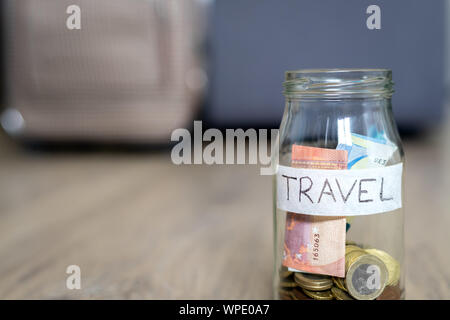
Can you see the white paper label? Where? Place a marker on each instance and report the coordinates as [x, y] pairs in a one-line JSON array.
[[339, 192]]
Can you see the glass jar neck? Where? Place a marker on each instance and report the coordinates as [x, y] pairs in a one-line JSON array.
[[338, 84]]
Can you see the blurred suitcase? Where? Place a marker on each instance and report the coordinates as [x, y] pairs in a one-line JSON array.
[[133, 73]]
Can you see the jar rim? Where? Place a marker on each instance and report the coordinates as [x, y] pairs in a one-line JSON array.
[[338, 83], [338, 70]]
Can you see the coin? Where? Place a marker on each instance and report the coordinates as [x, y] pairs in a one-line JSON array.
[[298, 294], [339, 283], [350, 248], [313, 282], [351, 257], [287, 284], [319, 295], [390, 293], [340, 294], [366, 276], [391, 264]]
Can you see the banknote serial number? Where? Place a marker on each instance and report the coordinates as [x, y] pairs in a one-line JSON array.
[[316, 246]]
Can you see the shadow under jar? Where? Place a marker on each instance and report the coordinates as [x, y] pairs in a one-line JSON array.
[[338, 213]]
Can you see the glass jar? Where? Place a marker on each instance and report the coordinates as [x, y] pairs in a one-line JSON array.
[[338, 214]]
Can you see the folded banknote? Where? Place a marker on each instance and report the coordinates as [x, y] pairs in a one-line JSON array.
[[367, 152], [315, 244]]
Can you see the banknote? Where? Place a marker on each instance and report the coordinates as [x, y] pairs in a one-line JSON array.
[[318, 158], [367, 152], [315, 244]]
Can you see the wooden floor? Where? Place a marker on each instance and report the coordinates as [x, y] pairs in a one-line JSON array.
[[141, 227]]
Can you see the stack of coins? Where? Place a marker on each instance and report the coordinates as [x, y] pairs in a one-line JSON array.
[[304, 286], [392, 265], [370, 274], [314, 286]]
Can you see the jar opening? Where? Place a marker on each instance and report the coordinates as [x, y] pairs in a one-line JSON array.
[[338, 83]]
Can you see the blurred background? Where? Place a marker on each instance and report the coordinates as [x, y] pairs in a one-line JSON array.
[[85, 170]]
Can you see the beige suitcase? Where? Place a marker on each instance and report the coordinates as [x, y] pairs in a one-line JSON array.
[[132, 73]]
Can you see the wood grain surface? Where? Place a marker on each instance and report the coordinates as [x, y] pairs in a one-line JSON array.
[[142, 228]]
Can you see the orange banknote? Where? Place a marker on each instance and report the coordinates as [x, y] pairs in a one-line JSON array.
[[316, 244]]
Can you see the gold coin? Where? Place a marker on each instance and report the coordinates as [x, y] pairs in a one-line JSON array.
[[314, 282], [350, 248], [287, 284], [298, 294], [339, 283], [391, 264], [319, 295], [340, 294], [351, 257], [366, 276]]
